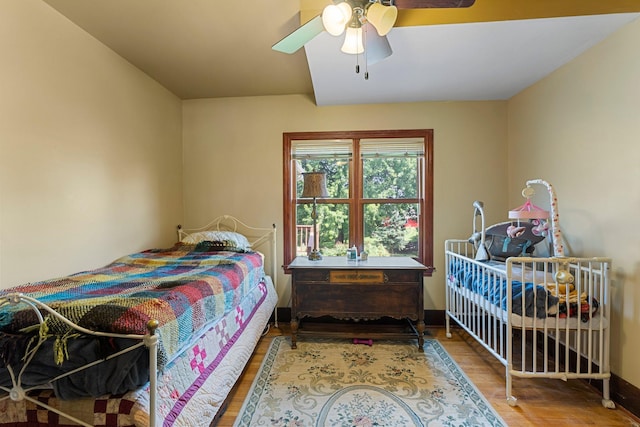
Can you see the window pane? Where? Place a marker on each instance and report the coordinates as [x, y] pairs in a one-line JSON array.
[[391, 229], [390, 177], [333, 228], [337, 171]]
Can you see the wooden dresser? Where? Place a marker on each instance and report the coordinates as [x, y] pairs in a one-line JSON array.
[[358, 292]]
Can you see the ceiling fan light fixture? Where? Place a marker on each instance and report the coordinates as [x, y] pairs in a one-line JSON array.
[[378, 47], [382, 17], [335, 18], [353, 41]]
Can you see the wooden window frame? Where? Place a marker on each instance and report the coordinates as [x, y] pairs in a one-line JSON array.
[[355, 200]]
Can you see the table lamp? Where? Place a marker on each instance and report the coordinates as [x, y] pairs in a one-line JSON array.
[[314, 186]]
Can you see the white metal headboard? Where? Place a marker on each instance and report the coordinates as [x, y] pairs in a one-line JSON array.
[[257, 236]]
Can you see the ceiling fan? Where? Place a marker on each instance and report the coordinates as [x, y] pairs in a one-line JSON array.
[[366, 23]]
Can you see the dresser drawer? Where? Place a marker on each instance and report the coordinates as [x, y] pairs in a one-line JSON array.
[[354, 300], [311, 275]]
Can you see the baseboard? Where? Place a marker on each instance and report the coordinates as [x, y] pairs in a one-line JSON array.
[[284, 314], [625, 394], [622, 392], [434, 317]]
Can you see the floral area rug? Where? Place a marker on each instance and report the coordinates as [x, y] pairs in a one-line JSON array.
[[328, 382]]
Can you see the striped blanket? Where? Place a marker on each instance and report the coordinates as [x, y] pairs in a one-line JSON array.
[[184, 288]]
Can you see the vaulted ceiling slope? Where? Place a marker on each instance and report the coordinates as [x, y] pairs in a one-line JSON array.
[[211, 49]]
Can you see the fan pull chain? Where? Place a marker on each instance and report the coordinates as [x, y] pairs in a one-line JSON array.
[[366, 62]]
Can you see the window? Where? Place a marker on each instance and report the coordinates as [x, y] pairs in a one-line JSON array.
[[380, 186]]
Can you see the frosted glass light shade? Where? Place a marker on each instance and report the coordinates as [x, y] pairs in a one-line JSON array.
[[382, 17], [378, 47], [353, 41], [335, 18]]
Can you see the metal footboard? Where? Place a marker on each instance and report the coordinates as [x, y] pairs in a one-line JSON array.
[[18, 393]]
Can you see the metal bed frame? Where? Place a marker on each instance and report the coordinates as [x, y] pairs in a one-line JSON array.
[[18, 393]]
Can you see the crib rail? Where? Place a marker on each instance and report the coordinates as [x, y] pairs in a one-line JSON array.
[[540, 317]]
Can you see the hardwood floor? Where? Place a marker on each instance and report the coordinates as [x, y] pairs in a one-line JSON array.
[[541, 402]]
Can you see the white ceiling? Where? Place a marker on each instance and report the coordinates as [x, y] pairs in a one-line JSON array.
[[477, 61], [210, 49]]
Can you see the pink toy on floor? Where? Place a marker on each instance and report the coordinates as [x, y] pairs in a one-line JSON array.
[[361, 341]]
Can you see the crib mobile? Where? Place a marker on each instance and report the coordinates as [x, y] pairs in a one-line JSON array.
[[546, 224], [539, 216]]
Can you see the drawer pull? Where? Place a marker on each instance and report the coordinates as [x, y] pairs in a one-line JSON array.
[[358, 276]]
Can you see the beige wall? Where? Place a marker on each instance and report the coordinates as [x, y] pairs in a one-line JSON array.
[[579, 129], [90, 150], [233, 158]]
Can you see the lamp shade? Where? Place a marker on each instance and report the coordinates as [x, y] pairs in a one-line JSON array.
[[335, 18], [382, 17], [353, 41], [315, 185]]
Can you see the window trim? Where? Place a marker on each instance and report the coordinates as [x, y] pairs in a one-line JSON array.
[[289, 196]]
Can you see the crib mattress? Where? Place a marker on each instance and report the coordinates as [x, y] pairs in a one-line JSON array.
[[550, 323], [533, 292]]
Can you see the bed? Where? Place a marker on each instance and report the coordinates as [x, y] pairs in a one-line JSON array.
[[154, 338], [541, 317]]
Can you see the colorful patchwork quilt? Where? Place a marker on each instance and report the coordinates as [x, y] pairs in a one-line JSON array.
[[191, 389], [185, 288]]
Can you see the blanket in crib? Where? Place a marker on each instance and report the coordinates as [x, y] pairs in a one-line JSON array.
[[528, 299], [184, 288]]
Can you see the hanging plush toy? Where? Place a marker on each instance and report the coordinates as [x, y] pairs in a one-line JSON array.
[[514, 231], [540, 228]]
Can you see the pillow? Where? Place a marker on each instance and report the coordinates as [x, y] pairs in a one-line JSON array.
[[503, 246], [215, 246], [230, 237]]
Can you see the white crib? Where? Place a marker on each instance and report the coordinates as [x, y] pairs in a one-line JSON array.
[[540, 317]]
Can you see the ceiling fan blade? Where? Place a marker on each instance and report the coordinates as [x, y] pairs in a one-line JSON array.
[[300, 37], [423, 4]]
